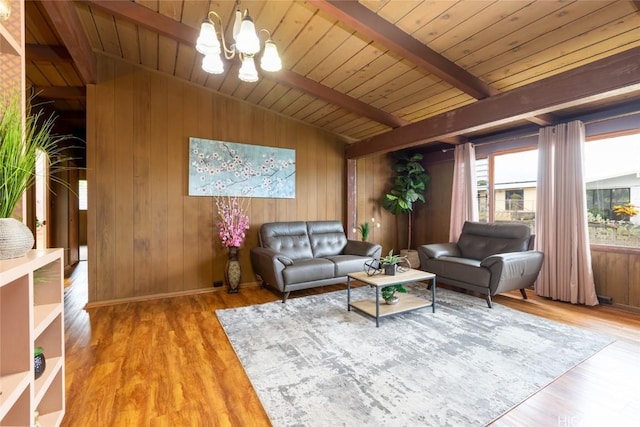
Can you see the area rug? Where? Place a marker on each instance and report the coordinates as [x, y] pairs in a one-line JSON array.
[[313, 363]]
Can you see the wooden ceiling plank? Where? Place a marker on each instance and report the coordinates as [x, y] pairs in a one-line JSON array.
[[277, 92], [68, 26], [357, 66], [308, 110], [573, 49], [529, 39], [147, 41], [340, 57], [385, 33], [492, 33], [422, 14], [106, 28], [261, 90], [38, 27], [391, 11], [447, 25], [321, 113], [86, 17], [167, 54], [571, 60], [611, 76], [128, 40], [307, 40], [322, 51]]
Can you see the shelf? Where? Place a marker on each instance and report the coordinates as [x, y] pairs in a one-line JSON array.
[[43, 315], [32, 315], [54, 365], [8, 44], [405, 303], [12, 386]]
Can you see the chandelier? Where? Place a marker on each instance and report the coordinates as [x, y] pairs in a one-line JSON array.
[[246, 46]]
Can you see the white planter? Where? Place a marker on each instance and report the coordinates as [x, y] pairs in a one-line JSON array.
[[16, 239]]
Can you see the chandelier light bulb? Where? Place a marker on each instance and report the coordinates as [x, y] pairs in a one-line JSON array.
[[247, 41], [248, 72], [212, 63], [270, 59], [237, 24], [208, 42]]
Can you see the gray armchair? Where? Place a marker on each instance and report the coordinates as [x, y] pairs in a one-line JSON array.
[[487, 258]]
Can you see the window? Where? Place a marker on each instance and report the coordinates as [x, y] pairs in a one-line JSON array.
[[612, 178], [513, 200], [507, 187], [601, 202], [82, 194]]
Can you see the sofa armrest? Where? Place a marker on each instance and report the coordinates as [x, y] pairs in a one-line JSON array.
[[513, 270], [437, 250], [269, 264], [357, 247]]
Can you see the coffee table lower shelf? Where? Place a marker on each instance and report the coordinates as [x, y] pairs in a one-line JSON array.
[[404, 304]]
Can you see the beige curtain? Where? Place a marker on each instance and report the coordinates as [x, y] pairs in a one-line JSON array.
[[561, 216], [464, 195]]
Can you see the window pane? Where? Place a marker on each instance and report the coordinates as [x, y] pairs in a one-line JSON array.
[[515, 176], [82, 195], [612, 176], [482, 182]]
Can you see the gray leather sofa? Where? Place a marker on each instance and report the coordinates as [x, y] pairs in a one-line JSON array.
[[300, 255], [487, 258]]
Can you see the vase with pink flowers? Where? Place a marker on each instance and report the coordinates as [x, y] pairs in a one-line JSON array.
[[232, 224]]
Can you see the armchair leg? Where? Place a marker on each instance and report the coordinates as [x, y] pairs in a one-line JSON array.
[[524, 294], [285, 296], [489, 301]]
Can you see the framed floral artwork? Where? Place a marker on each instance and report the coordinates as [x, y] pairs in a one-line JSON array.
[[222, 168]]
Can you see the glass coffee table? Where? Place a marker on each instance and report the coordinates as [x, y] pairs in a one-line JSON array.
[[407, 302]]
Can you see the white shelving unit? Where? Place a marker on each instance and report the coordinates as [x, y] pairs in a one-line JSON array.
[[32, 315]]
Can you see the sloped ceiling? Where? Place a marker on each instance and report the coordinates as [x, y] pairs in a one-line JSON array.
[[382, 75]]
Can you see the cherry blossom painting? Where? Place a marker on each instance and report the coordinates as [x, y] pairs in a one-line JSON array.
[[222, 168]]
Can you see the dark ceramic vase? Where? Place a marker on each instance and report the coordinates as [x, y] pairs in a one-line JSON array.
[[232, 272], [39, 365]]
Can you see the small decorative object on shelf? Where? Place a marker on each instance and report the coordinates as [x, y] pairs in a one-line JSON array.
[[232, 223], [389, 293], [39, 362]]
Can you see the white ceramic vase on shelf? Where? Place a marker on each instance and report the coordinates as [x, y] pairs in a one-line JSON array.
[[16, 239]]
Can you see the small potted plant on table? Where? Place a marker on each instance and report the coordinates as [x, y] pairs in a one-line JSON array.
[[390, 263], [389, 293]]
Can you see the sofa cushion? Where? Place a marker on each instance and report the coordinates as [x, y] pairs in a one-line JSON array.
[[327, 238], [287, 238], [308, 270], [345, 264], [480, 240], [460, 269]]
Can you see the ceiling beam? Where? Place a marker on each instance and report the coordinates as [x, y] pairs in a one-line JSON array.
[[178, 31], [382, 31], [149, 19], [40, 52], [59, 92], [615, 75], [67, 24], [311, 87]]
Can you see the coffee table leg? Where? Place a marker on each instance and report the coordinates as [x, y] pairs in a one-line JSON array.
[[433, 294], [377, 306], [348, 293]]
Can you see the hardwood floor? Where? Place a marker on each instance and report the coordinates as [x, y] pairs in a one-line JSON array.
[[167, 362]]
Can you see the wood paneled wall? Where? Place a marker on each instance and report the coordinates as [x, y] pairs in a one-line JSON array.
[[146, 236], [616, 273]]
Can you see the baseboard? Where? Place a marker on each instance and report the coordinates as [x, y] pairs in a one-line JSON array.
[[117, 301]]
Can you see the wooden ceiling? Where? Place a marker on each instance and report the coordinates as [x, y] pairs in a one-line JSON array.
[[381, 74]]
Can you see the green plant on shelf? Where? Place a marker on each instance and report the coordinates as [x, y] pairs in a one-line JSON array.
[[389, 292]]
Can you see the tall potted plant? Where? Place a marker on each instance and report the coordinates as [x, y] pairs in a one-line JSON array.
[[409, 186], [20, 141]]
